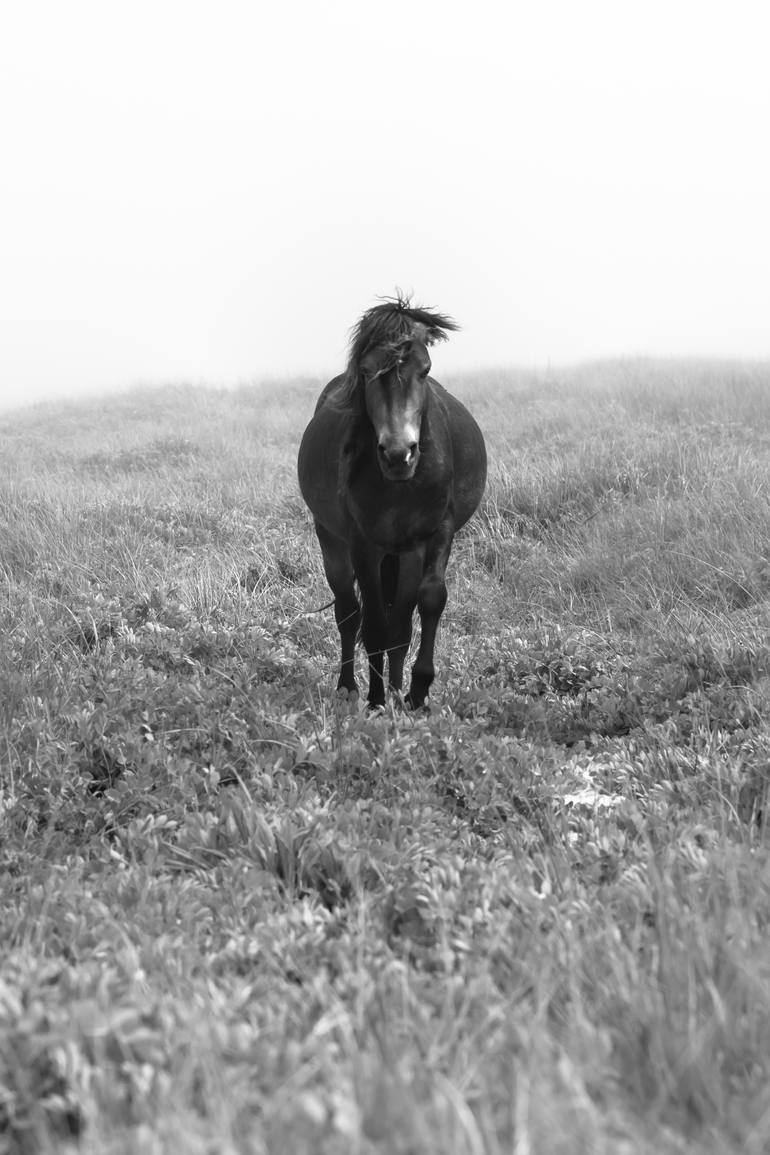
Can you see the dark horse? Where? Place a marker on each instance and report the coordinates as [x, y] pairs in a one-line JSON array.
[[391, 466]]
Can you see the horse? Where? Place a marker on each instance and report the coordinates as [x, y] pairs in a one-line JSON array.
[[390, 466]]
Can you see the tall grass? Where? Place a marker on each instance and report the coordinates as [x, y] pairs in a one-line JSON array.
[[236, 917]]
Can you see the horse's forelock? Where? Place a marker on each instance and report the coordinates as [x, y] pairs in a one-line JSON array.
[[391, 324]]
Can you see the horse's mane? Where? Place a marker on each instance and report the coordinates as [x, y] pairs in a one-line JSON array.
[[390, 325]]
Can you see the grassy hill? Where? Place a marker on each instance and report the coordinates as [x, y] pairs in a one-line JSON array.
[[235, 917]]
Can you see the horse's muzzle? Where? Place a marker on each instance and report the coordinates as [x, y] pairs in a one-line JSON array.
[[399, 464]]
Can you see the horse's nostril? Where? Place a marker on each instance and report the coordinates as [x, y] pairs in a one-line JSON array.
[[397, 457]]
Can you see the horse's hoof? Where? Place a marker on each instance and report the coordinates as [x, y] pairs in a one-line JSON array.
[[346, 697], [412, 704]]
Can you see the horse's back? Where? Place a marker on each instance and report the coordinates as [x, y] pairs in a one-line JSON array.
[[330, 392], [318, 459], [469, 456]]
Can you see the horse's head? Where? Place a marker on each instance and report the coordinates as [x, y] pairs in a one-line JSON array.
[[388, 370], [395, 381]]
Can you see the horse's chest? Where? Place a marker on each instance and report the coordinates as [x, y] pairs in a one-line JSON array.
[[398, 521]]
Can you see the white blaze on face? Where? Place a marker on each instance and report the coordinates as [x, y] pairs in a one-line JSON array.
[[398, 431], [399, 439]]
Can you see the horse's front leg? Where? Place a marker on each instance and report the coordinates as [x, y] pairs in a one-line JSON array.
[[431, 599], [374, 626], [339, 574]]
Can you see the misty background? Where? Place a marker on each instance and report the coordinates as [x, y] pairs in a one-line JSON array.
[[215, 192]]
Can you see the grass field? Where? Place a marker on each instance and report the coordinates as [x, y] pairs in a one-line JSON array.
[[235, 918]]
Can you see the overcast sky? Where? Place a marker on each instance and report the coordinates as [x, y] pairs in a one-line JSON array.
[[215, 191]]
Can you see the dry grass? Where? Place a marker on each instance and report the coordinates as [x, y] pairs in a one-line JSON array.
[[236, 919]]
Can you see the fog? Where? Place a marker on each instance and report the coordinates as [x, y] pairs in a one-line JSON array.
[[215, 192]]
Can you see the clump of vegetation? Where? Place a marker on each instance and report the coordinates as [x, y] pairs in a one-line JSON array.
[[240, 916]]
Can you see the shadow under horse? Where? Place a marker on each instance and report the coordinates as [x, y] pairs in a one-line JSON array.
[[391, 466]]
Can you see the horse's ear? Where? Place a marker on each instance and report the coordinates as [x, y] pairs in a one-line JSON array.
[[428, 334], [435, 333]]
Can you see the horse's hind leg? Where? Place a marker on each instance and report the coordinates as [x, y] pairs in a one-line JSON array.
[[401, 616], [347, 612]]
